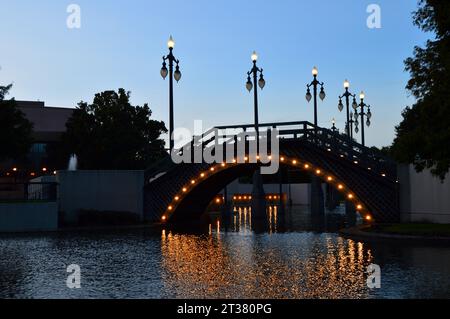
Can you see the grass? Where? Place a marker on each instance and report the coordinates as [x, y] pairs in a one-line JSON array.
[[416, 229]]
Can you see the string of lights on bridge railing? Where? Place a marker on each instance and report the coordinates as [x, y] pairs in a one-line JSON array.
[[321, 173]]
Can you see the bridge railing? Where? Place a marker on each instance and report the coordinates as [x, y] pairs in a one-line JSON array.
[[325, 139]]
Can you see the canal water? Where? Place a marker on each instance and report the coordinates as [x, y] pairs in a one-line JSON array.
[[294, 256]]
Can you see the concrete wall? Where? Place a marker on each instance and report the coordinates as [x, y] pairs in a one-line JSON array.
[[423, 197], [300, 192], [114, 191], [28, 217]]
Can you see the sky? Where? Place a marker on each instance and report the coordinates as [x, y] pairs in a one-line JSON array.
[[120, 45]]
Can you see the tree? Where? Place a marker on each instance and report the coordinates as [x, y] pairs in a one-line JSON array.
[[15, 129], [110, 133], [423, 138]]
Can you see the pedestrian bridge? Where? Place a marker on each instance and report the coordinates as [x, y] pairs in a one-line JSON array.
[[365, 177]]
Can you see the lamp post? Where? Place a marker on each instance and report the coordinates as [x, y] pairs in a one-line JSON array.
[[258, 194], [347, 96], [334, 128], [363, 114], [170, 58], [253, 75], [314, 84]]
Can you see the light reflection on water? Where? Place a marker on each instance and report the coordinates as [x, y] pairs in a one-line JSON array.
[[293, 258]]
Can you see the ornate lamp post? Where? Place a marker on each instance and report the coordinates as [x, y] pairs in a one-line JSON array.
[[258, 194], [177, 75], [314, 84], [253, 75], [334, 128], [347, 96], [363, 114]]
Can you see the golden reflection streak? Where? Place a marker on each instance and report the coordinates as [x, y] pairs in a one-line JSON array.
[[207, 267]]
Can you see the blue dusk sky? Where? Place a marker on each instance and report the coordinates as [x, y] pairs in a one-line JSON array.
[[120, 44]]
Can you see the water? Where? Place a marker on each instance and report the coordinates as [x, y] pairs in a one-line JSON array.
[[294, 258]]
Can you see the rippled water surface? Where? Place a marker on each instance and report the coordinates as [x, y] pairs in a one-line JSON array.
[[292, 257]]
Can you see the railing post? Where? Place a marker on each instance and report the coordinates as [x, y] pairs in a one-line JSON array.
[[235, 146], [192, 149], [224, 145]]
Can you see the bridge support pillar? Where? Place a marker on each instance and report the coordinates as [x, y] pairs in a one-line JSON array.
[[350, 212], [317, 197], [332, 198], [258, 197], [226, 211]]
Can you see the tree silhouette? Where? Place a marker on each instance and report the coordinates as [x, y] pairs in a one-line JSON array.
[[110, 133], [15, 129], [423, 138]]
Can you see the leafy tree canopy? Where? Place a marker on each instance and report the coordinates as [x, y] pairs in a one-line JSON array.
[[423, 138], [15, 129], [110, 133]]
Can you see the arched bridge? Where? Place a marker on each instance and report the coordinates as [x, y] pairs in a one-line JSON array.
[[364, 176]]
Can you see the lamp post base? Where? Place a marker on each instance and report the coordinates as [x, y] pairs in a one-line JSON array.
[[317, 197]]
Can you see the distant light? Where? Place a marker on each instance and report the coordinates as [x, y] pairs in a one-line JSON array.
[[44, 169], [362, 95], [330, 178], [359, 207], [33, 174], [15, 169], [184, 190], [177, 198], [54, 172], [202, 175], [341, 186], [218, 200], [315, 71], [193, 182], [171, 43], [164, 218], [368, 218], [346, 84], [282, 159], [254, 56], [170, 207], [212, 169], [350, 196], [306, 166], [294, 162], [318, 172]]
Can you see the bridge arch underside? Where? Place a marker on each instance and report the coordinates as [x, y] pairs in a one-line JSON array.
[[186, 191]]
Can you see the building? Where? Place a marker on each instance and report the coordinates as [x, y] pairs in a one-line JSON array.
[[49, 123]]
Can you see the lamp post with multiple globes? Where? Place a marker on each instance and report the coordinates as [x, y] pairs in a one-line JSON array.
[[314, 84], [347, 96], [170, 58], [363, 114], [252, 75]]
